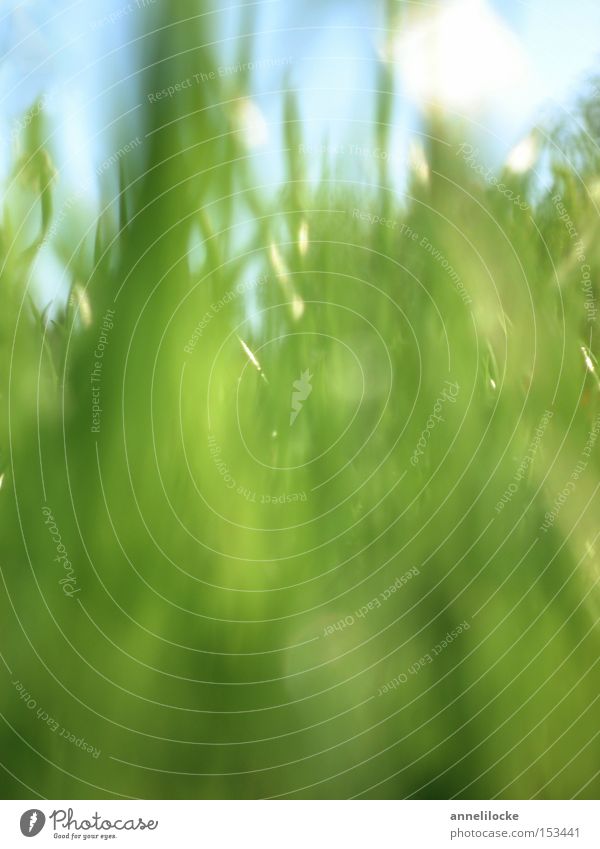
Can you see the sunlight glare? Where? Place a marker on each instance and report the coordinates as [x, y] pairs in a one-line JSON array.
[[459, 56]]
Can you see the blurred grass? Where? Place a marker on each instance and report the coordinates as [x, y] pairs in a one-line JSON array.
[[194, 655]]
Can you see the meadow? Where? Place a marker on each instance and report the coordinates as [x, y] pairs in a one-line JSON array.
[[299, 480]]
